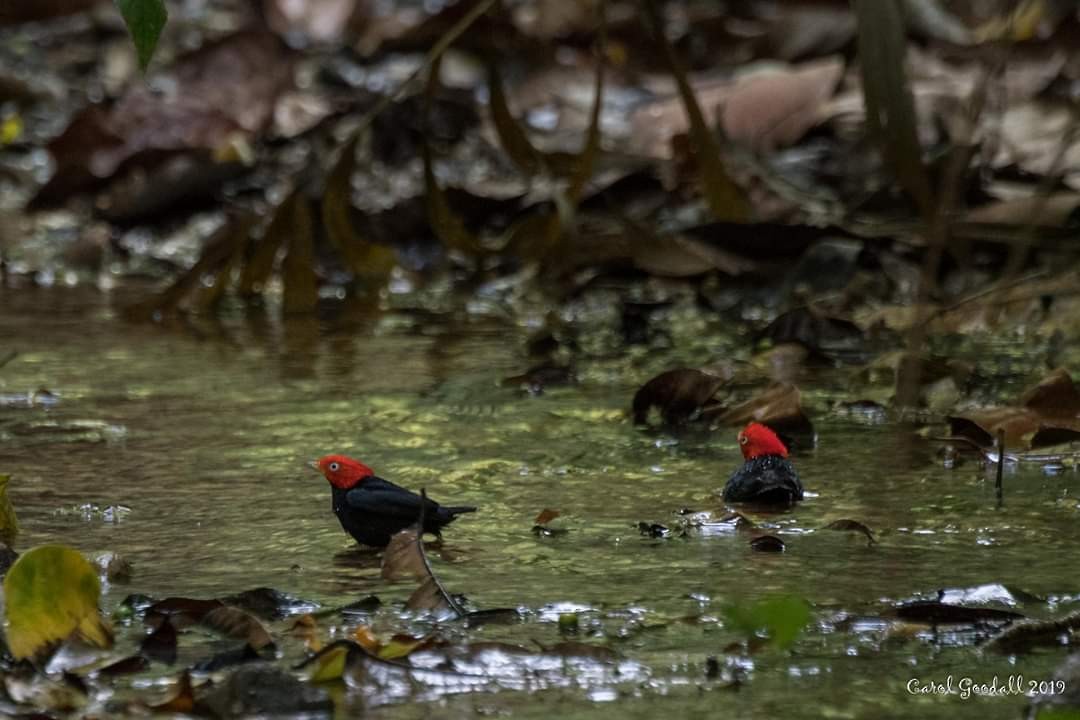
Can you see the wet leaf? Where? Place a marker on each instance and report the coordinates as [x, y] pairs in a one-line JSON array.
[[145, 20], [546, 515], [236, 623], [779, 406], [767, 543], [1027, 635], [228, 658], [679, 395], [188, 610], [938, 613], [267, 603], [9, 523], [182, 699], [851, 526], [653, 530], [726, 200], [330, 664], [160, 645], [306, 628], [126, 666], [403, 557], [262, 690], [1048, 414], [781, 619], [51, 593]]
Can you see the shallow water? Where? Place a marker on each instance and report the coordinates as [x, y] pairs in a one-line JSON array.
[[184, 451]]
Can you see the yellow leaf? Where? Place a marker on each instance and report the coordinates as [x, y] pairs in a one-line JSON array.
[[11, 129], [9, 524], [331, 664], [52, 593], [367, 639]]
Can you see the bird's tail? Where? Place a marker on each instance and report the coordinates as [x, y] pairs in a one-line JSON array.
[[459, 509]]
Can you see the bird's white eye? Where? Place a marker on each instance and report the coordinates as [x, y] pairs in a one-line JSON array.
[[743, 439], [334, 467]]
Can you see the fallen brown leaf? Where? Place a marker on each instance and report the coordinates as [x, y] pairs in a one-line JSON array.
[[1047, 414], [775, 106]]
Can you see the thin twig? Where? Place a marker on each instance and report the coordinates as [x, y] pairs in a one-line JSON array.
[[458, 610]]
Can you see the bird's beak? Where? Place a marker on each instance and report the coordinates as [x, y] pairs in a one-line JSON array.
[[314, 465]]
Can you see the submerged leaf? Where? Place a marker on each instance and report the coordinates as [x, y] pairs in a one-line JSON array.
[[852, 526], [779, 618], [51, 593], [767, 543]]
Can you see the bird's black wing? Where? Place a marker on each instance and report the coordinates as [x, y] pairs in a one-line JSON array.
[[382, 497]]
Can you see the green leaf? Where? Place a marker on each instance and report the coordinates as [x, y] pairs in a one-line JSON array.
[[9, 524], [52, 592], [780, 618], [145, 20]]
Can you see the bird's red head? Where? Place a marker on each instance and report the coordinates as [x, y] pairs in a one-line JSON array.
[[342, 471], [757, 440]]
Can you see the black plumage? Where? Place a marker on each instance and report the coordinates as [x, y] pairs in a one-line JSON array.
[[765, 480], [374, 509]]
